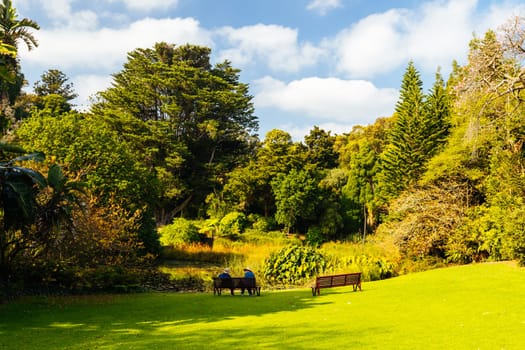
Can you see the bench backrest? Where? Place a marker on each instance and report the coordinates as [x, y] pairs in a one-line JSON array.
[[234, 282], [338, 280]]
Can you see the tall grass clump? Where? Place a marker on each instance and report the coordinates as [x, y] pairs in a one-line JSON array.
[[374, 261]]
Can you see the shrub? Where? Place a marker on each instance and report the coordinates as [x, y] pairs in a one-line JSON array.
[[314, 236], [233, 224], [293, 265], [372, 268], [180, 232], [261, 223]]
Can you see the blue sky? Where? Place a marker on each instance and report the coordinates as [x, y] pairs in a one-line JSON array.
[[330, 63]]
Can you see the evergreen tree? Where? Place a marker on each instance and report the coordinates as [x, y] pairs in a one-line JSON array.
[[437, 115], [320, 148], [404, 157], [55, 82], [193, 122]]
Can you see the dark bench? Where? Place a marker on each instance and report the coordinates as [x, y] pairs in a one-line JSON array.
[[347, 279], [235, 283]]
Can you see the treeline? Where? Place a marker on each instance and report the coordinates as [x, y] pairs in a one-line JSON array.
[[175, 138]]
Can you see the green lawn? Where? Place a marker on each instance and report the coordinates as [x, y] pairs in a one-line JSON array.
[[469, 307]]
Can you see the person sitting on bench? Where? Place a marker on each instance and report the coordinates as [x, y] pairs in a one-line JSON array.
[[248, 273], [225, 275]]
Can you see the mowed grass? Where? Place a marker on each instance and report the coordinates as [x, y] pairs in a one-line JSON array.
[[466, 307]]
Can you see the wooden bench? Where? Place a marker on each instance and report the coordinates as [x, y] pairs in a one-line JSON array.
[[347, 279], [235, 283]]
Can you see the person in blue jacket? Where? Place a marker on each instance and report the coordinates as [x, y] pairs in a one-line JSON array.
[[248, 273], [225, 275]]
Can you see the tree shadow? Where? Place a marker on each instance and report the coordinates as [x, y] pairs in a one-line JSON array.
[[149, 319]]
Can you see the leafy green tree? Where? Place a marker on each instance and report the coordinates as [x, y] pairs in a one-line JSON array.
[[296, 197], [54, 82], [233, 224], [13, 30], [95, 154], [53, 104], [248, 188], [278, 153], [470, 205], [54, 91], [320, 148], [360, 153], [203, 110], [330, 219], [181, 231]]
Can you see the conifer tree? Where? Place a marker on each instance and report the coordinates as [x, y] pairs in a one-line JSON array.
[[403, 159], [421, 125], [437, 114]]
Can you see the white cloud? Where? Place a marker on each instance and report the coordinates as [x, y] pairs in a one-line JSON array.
[[347, 101], [323, 6], [498, 14], [105, 49], [439, 32], [61, 14], [298, 132], [150, 5], [432, 35], [88, 85], [372, 46], [272, 45]]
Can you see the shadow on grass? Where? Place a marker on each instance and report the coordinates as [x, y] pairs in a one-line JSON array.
[[267, 337], [148, 320]]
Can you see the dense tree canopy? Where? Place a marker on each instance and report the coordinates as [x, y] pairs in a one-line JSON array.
[[174, 137], [195, 120]]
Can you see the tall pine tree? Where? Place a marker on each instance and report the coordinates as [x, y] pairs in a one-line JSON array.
[[437, 116], [421, 125], [403, 158]]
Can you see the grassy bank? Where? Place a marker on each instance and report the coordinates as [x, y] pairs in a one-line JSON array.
[[468, 307]]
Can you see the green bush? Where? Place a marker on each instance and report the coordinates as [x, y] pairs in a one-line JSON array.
[[233, 224], [261, 223], [294, 265], [181, 231], [315, 236], [489, 233]]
